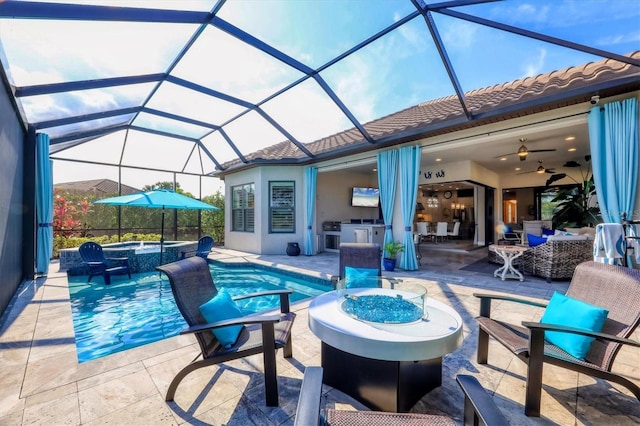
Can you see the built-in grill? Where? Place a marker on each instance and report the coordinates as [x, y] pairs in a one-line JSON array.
[[331, 226]]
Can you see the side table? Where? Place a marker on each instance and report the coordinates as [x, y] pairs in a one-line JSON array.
[[508, 254]]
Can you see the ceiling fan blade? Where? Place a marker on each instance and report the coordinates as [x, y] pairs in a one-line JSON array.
[[552, 171], [542, 150], [504, 155]]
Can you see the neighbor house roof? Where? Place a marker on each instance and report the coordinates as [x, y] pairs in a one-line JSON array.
[[491, 104], [97, 186]]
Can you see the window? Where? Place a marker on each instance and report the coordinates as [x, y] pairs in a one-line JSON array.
[[282, 207], [242, 215]]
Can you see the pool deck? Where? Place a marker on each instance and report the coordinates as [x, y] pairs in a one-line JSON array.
[[42, 382]]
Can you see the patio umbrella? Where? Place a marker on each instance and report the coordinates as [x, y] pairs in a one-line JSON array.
[[158, 199]]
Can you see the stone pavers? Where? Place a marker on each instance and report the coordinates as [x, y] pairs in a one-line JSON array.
[[42, 382]]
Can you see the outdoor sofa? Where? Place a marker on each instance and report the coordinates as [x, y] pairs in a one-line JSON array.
[[554, 260]]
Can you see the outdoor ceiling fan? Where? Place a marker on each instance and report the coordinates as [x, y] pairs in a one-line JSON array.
[[541, 169], [523, 151]]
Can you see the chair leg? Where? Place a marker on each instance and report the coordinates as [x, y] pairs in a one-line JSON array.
[[269, 359], [287, 351], [107, 278], [483, 346], [534, 374]]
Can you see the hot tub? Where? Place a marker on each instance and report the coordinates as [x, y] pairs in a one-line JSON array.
[[143, 256]]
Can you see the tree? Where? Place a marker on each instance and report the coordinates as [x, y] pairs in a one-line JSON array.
[[213, 220]]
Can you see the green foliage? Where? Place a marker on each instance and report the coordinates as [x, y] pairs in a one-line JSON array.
[[213, 221], [85, 221], [392, 249]]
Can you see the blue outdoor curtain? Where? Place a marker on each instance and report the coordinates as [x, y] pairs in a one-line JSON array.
[[409, 171], [44, 205], [311, 175], [387, 179], [613, 136]]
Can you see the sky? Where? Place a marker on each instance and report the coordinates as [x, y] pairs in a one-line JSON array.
[[399, 70]]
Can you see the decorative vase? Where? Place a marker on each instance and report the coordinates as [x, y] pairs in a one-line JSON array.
[[389, 264], [293, 249]]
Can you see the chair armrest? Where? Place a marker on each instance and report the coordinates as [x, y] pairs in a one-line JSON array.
[[94, 263], [485, 302], [284, 297], [308, 411], [252, 319], [478, 405], [118, 259], [565, 329]]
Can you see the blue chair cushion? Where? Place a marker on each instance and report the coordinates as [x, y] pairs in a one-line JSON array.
[[222, 307], [360, 277], [570, 312], [534, 240], [546, 231]]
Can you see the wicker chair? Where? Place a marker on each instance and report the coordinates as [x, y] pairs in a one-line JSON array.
[[360, 255], [556, 259], [479, 408], [192, 286], [614, 288]]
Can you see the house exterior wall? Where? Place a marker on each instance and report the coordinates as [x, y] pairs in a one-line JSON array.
[[12, 138], [261, 240]]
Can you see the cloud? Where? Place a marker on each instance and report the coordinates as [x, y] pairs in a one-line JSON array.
[[459, 35], [536, 64]]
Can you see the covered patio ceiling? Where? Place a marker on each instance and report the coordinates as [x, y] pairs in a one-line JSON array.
[[192, 86]]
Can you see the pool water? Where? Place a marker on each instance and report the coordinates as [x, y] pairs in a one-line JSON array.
[[131, 313]]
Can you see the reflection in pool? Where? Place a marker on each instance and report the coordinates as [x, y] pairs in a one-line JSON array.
[[131, 313]]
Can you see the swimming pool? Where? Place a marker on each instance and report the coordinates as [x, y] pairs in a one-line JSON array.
[[131, 313]]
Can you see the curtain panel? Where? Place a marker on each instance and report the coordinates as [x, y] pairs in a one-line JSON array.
[[387, 179], [409, 172], [311, 177], [44, 205], [613, 136]]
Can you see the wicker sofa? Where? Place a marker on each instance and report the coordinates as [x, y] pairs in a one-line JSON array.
[[556, 259]]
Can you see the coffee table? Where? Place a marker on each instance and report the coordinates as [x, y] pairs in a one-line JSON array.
[[388, 367]]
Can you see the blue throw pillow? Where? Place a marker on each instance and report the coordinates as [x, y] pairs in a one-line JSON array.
[[360, 277], [534, 240], [546, 231], [564, 310], [222, 307]]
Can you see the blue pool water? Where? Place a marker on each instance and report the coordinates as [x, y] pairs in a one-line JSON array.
[[131, 313]]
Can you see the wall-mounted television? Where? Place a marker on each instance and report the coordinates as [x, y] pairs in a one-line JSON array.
[[365, 197]]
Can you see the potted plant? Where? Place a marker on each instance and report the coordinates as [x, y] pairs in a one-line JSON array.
[[391, 250]]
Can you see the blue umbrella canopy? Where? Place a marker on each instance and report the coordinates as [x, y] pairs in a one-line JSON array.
[[158, 199]]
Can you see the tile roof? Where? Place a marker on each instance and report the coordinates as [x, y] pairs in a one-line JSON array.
[[97, 186], [491, 104]]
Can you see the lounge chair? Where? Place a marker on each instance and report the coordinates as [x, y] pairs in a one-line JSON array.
[[614, 288], [192, 286], [479, 408], [93, 256], [205, 244]]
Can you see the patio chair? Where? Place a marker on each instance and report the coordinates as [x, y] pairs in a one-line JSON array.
[[479, 408], [205, 244], [360, 255], [93, 256], [614, 288], [192, 286]]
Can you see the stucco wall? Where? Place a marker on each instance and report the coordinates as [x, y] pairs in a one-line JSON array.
[[261, 241], [11, 193]]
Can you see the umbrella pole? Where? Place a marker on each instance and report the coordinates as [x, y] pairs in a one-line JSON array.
[[161, 235]]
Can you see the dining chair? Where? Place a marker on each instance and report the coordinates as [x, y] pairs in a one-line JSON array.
[[441, 231]]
